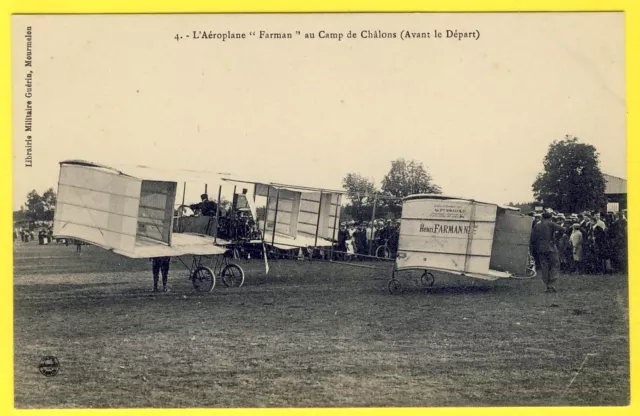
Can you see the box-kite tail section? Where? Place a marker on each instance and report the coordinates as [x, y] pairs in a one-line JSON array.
[[463, 236], [128, 210], [297, 216]]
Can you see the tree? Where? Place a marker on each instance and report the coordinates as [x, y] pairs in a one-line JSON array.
[[225, 204], [49, 200], [571, 180], [35, 206], [359, 189], [406, 178], [41, 208], [20, 215], [360, 192]]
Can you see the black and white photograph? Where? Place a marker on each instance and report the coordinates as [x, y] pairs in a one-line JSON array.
[[320, 210]]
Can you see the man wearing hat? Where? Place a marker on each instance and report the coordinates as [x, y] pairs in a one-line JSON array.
[[544, 250], [205, 206], [536, 219]]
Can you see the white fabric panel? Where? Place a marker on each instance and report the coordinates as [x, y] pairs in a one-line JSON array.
[[99, 181], [295, 212], [309, 206], [283, 218], [305, 218], [445, 244], [311, 197], [306, 229], [447, 209], [97, 206], [334, 223], [438, 234], [325, 212], [281, 228], [181, 244], [282, 195], [123, 244], [446, 229], [454, 263], [285, 242], [100, 201], [308, 216], [285, 204], [97, 219]]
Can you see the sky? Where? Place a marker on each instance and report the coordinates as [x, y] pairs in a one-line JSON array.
[[479, 114]]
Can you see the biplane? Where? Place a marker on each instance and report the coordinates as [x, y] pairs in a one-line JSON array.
[[130, 210], [464, 237]]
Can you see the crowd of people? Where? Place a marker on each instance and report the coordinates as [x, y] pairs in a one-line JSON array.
[[589, 242], [44, 236], [359, 239]]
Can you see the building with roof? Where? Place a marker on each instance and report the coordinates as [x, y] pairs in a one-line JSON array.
[[616, 193]]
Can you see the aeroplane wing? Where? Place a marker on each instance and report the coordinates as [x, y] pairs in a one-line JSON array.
[[181, 244]]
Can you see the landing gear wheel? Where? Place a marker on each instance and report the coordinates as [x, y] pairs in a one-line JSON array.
[[383, 252], [203, 279], [427, 279], [232, 275], [394, 286]]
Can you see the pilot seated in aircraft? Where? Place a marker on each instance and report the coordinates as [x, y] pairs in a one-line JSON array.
[[206, 207]]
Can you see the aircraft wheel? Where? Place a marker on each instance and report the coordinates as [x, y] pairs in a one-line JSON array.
[[204, 280], [383, 252], [232, 276], [394, 286], [427, 279]]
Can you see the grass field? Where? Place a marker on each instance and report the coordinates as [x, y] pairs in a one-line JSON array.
[[310, 334]]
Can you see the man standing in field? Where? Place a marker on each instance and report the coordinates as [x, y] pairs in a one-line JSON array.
[[160, 264], [544, 250]]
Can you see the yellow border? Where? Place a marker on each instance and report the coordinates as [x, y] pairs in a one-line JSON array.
[[198, 6]]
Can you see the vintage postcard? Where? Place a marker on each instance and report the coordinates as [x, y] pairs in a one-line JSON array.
[[335, 210]]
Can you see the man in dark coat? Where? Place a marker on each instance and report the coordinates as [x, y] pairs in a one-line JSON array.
[[361, 241], [206, 207], [544, 250], [599, 238], [343, 236]]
